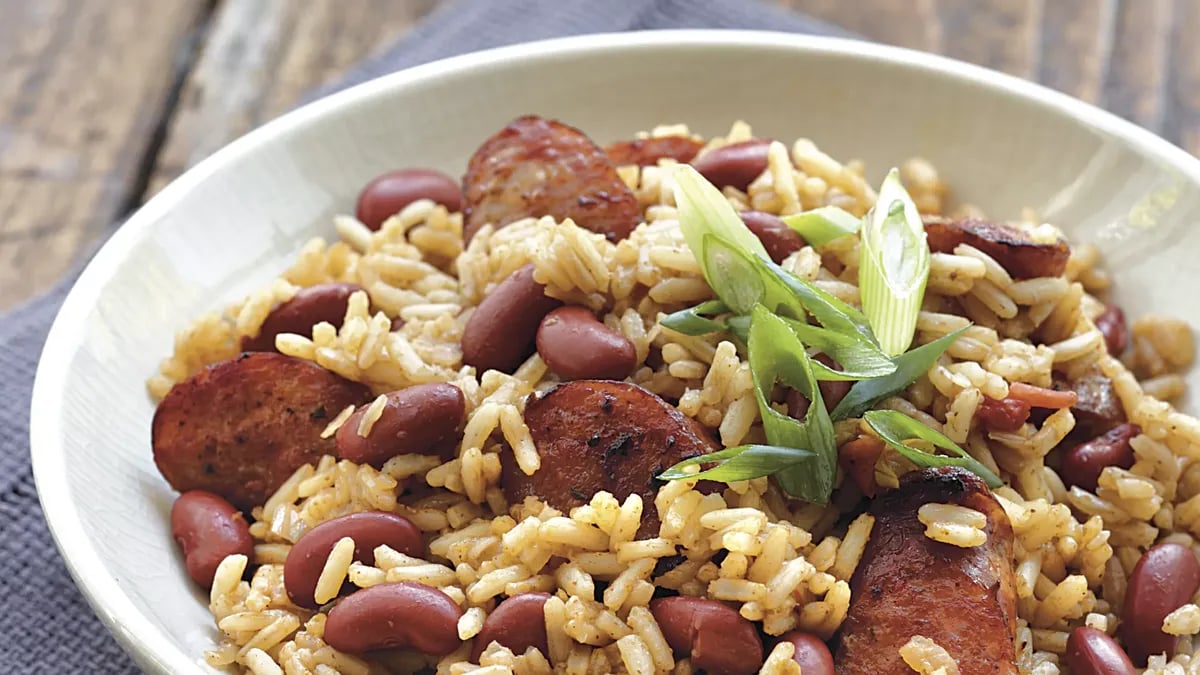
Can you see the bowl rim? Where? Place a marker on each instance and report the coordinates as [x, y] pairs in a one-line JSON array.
[[142, 638]]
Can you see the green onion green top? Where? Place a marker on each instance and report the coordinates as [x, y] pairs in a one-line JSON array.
[[778, 318]]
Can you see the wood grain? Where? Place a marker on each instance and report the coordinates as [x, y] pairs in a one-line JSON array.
[[261, 56], [101, 102], [83, 86]]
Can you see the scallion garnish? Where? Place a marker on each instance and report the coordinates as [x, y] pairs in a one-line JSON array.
[[768, 311], [893, 266], [704, 210], [909, 366], [742, 275], [695, 320], [803, 454], [906, 435], [822, 225]]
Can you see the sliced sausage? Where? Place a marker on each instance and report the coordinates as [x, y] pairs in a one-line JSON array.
[[501, 332], [422, 419], [1022, 258], [540, 167], [857, 458], [387, 195], [311, 305], [964, 599], [735, 165], [775, 235], [1097, 408], [239, 428], [578, 346], [647, 151], [596, 435]]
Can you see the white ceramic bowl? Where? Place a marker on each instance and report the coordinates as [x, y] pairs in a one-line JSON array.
[[236, 220]]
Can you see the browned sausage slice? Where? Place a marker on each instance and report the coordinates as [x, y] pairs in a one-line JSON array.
[[540, 167], [647, 151], [239, 428], [964, 599], [1024, 259], [1098, 408], [596, 435]]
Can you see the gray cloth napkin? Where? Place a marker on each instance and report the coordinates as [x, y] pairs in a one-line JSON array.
[[46, 625]]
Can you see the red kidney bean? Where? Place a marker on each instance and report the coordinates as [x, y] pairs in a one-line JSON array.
[[1091, 652], [811, 653], [1006, 414], [388, 194], [775, 235], [310, 306], [715, 636], [517, 623], [832, 391], [578, 346], [208, 528], [395, 615], [734, 165], [1112, 325], [424, 419], [1083, 464], [368, 529], [1163, 580], [501, 332]]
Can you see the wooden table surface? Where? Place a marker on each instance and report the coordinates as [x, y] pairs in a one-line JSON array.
[[102, 102]]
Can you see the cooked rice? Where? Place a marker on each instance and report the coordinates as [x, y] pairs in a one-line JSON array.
[[785, 565], [927, 657]]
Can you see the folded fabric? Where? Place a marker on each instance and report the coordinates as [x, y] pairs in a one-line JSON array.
[[47, 625]]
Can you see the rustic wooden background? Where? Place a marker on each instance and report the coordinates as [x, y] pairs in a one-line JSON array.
[[104, 101]]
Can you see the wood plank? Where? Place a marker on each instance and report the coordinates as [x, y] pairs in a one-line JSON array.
[[913, 24], [83, 87], [262, 56], [1182, 119], [1000, 34], [1076, 44], [1136, 85]]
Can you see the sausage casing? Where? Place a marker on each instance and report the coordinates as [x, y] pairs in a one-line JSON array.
[[595, 435], [240, 427], [907, 584]]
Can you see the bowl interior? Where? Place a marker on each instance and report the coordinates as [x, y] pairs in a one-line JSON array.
[[236, 221]]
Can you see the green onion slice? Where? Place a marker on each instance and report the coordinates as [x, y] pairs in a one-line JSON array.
[[822, 225], [905, 434], [695, 321], [909, 366], [858, 358], [704, 210], [893, 266], [803, 454], [740, 463]]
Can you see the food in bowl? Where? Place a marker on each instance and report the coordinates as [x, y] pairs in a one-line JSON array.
[[683, 405]]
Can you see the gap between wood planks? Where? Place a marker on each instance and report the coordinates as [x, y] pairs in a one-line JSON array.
[[185, 60]]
